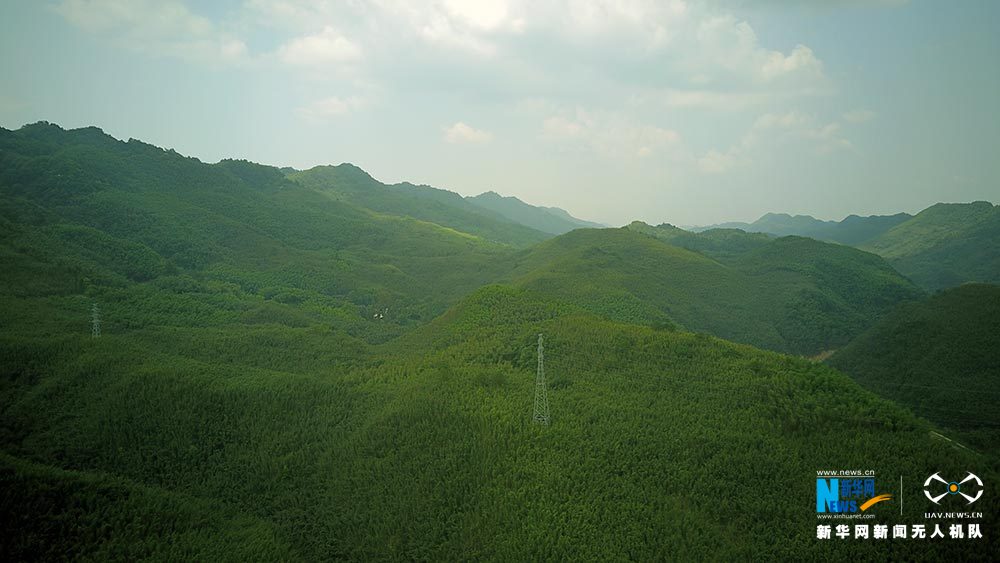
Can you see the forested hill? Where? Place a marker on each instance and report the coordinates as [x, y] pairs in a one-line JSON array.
[[945, 245], [352, 184], [148, 232], [267, 442], [550, 220], [938, 356], [791, 294]]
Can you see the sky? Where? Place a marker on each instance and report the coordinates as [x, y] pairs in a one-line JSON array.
[[690, 112]]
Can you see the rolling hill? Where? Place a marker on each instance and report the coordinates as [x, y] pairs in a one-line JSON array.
[[791, 294], [550, 220], [945, 245], [938, 357]]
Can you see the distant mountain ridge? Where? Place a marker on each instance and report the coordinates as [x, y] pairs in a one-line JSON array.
[[853, 230], [943, 246], [354, 185], [552, 220]]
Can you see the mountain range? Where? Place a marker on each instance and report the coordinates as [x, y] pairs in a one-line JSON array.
[[236, 361]]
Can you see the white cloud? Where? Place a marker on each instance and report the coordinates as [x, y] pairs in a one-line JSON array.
[[789, 129], [165, 27], [607, 133], [859, 116], [711, 100], [828, 138], [715, 162], [331, 107], [460, 133], [801, 59], [483, 14], [323, 48]]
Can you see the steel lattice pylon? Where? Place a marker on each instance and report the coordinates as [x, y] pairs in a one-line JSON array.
[[541, 414], [95, 321]]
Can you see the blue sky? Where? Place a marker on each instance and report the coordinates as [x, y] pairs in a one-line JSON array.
[[681, 111]]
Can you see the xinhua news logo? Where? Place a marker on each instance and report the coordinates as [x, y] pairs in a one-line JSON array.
[[846, 495]]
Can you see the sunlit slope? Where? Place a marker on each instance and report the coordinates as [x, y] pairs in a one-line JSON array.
[[352, 184], [940, 358], [663, 444], [791, 294], [159, 234], [945, 245]]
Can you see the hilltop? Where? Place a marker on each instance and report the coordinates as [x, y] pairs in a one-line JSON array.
[[349, 183], [945, 245], [550, 220]]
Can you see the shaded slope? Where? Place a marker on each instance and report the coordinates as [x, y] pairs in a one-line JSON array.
[[938, 357], [791, 294], [50, 514]]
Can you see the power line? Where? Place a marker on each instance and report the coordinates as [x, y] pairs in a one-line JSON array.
[[541, 414]]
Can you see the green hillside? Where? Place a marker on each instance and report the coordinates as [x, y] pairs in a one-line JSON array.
[[945, 245], [939, 358], [662, 442], [550, 220], [284, 373], [147, 231], [352, 184], [721, 244], [790, 294]]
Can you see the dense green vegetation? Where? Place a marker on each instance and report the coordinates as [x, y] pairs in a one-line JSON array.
[[791, 294], [938, 357], [550, 220], [945, 245], [152, 234], [296, 371], [662, 443]]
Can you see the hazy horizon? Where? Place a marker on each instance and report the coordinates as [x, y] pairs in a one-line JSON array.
[[691, 113]]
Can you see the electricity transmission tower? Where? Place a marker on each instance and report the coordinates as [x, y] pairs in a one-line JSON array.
[[95, 321], [541, 414]]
